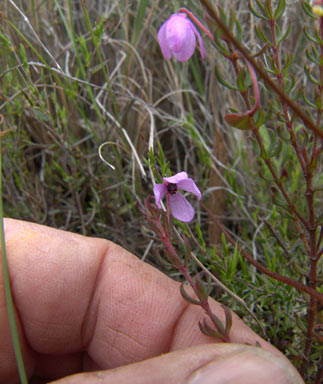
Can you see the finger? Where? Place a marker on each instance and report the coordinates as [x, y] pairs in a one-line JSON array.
[[205, 364], [75, 294]]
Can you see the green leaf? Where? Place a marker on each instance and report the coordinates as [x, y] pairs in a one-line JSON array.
[[256, 13], [232, 264], [312, 56], [99, 30], [232, 18], [242, 80], [239, 31], [261, 35], [23, 56], [225, 247], [202, 291], [219, 46], [5, 40], [222, 81], [200, 236], [260, 118], [228, 319], [241, 122], [286, 34], [308, 9], [318, 36], [310, 76], [41, 115], [288, 59], [277, 148], [138, 22], [268, 9], [187, 297], [280, 9], [219, 324], [292, 82], [278, 198], [208, 331], [310, 37]]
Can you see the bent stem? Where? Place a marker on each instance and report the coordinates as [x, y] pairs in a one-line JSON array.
[[196, 21], [250, 112], [7, 288]]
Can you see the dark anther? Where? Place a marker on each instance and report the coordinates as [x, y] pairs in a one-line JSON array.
[[171, 188]]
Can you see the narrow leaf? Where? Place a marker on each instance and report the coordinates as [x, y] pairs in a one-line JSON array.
[[280, 9], [228, 319], [238, 121], [187, 297]]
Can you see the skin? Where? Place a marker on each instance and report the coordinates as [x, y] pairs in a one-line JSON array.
[[88, 306]]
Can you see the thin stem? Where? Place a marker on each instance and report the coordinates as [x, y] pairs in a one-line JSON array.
[[196, 21], [251, 111], [173, 256], [319, 375], [183, 269], [309, 194], [277, 237]]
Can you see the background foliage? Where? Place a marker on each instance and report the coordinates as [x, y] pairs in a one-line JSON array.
[[79, 76]]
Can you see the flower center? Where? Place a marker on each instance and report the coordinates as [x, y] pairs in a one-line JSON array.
[[172, 188]]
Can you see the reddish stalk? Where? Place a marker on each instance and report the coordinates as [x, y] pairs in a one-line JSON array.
[[250, 112], [164, 236], [196, 21]]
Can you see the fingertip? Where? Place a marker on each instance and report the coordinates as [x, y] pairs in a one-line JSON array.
[[203, 364], [246, 365]]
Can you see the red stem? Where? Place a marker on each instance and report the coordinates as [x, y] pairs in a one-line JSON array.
[[196, 21], [183, 269], [254, 109], [203, 303]]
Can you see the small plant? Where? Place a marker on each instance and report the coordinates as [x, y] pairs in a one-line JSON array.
[[162, 226]]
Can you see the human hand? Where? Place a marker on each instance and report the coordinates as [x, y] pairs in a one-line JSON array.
[[87, 305]]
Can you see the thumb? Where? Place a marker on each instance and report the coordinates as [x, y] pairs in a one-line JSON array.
[[203, 364]]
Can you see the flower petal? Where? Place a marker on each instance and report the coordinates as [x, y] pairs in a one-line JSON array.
[[181, 208], [162, 40], [189, 186], [180, 37], [201, 44], [176, 178], [159, 192]]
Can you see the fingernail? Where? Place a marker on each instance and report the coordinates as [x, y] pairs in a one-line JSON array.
[[242, 368]]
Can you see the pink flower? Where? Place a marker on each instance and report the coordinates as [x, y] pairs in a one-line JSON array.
[[181, 209], [177, 36]]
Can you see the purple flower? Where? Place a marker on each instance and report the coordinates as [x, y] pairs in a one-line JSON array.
[[177, 36], [181, 209]]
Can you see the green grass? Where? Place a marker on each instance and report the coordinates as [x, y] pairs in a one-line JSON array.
[[76, 77]]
